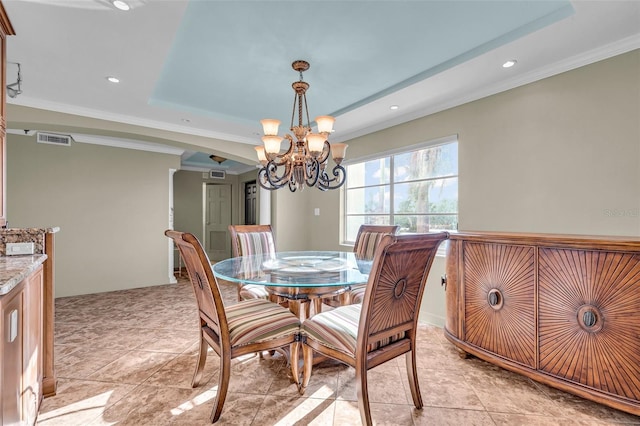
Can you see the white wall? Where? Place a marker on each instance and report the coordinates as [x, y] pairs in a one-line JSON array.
[[561, 155], [111, 204]]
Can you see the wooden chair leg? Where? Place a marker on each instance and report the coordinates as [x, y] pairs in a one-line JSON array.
[[412, 374], [307, 310], [363, 397], [317, 305], [223, 386], [202, 358], [307, 356], [345, 298], [294, 359]]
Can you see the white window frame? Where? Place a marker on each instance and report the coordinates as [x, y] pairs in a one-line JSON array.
[[391, 154]]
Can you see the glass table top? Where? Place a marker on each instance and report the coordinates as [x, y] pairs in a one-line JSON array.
[[295, 269]]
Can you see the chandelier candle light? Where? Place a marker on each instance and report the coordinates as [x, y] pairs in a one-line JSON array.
[[305, 162]]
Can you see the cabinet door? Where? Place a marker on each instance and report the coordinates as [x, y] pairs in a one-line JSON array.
[[11, 348], [499, 300], [589, 317], [32, 354]]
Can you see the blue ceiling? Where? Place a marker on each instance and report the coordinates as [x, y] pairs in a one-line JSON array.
[[232, 59]]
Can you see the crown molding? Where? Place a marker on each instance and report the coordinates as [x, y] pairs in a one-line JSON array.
[[595, 55], [126, 143], [111, 142], [207, 169], [124, 119]]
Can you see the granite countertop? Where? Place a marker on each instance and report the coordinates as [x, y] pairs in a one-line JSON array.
[[14, 269], [49, 230]]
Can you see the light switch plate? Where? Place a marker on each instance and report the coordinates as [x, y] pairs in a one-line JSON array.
[[19, 248]]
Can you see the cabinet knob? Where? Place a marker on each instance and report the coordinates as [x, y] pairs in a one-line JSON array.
[[495, 299], [589, 318]]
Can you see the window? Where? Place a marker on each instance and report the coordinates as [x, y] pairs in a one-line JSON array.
[[415, 188]]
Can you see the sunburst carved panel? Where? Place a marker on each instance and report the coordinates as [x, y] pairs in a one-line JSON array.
[[499, 294], [397, 290], [589, 316]]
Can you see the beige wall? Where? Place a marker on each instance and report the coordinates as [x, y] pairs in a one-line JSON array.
[[560, 155], [111, 204]]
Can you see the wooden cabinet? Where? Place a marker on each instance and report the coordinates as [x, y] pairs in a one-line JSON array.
[[563, 310], [5, 30], [20, 351], [11, 312]]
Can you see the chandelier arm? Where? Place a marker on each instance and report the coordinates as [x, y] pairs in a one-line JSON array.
[[267, 175], [288, 137], [339, 174], [263, 180], [282, 180], [312, 172]]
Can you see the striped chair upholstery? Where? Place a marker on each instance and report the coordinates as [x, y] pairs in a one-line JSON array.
[[367, 242], [258, 320], [338, 329], [248, 240], [250, 243], [232, 331], [384, 325], [368, 238]]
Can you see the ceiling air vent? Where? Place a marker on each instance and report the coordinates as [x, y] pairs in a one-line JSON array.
[[217, 174], [53, 139]]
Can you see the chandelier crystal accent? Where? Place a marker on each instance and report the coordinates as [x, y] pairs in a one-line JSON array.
[[305, 161]]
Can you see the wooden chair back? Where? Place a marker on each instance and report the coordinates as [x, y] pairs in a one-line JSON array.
[[391, 304], [208, 296], [368, 238]]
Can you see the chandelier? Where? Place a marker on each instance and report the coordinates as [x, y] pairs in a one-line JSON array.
[[305, 161]]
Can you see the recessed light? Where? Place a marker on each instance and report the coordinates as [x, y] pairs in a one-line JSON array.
[[509, 63], [113, 79], [121, 5], [394, 107]]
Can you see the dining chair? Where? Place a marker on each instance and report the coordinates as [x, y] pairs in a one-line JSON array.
[[258, 239], [246, 327], [367, 239], [248, 240], [383, 327]]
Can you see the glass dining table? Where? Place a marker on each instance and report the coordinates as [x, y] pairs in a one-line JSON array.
[[298, 276]]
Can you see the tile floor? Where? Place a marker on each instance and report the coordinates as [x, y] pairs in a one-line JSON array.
[[127, 358]]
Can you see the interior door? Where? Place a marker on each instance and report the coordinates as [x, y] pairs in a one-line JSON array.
[[217, 217], [250, 199]]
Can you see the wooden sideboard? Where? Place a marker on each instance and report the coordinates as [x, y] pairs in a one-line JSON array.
[[563, 310]]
